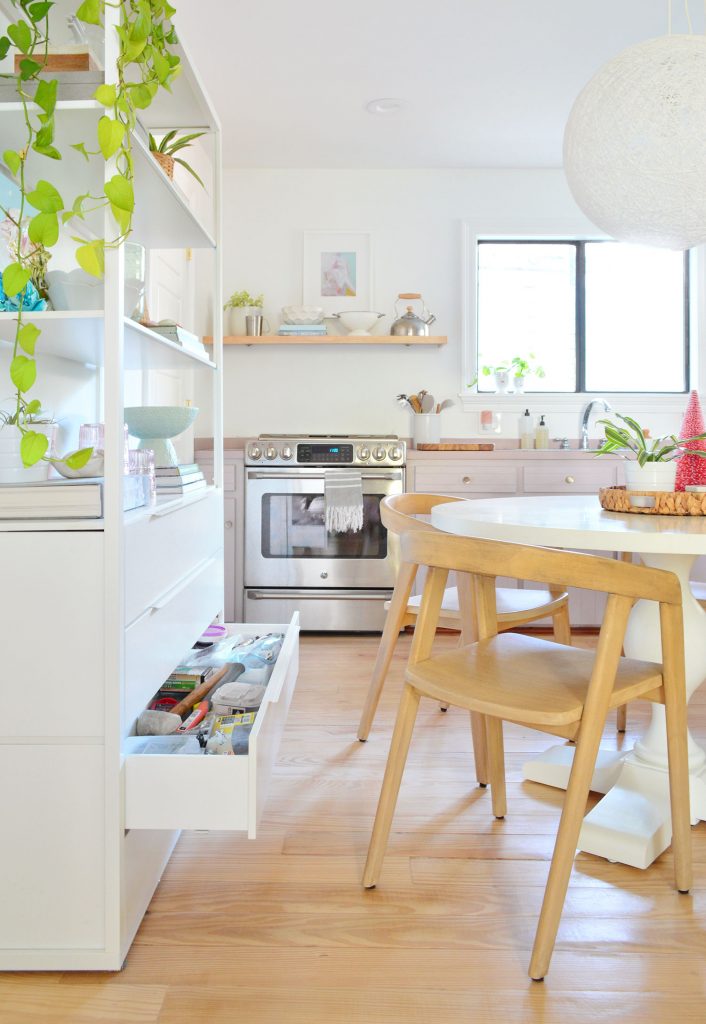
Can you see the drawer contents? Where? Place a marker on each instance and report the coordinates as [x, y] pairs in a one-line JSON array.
[[211, 699]]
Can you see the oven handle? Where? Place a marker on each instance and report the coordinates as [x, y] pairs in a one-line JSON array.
[[308, 595], [274, 475]]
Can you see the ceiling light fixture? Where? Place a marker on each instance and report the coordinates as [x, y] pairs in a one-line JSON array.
[[635, 144], [386, 105]]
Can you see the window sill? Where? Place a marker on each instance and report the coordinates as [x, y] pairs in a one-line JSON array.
[[672, 402]]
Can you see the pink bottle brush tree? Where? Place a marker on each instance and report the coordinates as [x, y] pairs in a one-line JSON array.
[[691, 469]]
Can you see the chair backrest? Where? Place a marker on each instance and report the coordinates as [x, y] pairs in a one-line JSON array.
[[398, 510], [491, 558]]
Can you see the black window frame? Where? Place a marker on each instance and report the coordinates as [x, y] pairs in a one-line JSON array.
[[580, 310]]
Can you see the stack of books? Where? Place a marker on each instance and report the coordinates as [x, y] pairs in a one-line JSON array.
[[66, 499], [176, 480], [297, 330], [180, 336]]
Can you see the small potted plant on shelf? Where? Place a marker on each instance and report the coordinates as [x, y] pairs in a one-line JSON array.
[[164, 152], [242, 304], [31, 417], [651, 464], [522, 368]]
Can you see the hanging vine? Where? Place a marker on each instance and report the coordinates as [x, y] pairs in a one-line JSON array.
[[144, 64]]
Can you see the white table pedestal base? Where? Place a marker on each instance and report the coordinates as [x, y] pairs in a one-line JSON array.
[[632, 823]]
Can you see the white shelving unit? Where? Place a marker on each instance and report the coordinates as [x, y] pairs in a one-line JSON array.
[[100, 611]]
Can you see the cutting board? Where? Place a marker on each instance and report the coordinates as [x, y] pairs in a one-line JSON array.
[[455, 447]]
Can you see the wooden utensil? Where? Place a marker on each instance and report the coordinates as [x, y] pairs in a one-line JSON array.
[[199, 692]]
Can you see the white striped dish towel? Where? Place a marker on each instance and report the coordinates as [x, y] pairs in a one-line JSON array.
[[343, 493]]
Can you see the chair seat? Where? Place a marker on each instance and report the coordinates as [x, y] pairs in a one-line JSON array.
[[525, 679], [510, 601]]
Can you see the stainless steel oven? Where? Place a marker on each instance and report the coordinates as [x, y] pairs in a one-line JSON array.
[[337, 581]]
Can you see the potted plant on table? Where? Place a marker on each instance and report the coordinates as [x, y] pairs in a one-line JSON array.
[[242, 304], [651, 464]]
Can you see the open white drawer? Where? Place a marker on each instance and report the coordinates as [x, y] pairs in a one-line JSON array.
[[217, 792]]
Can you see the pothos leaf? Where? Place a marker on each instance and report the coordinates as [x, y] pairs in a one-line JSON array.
[[90, 12], [12, 159], [23, 372], [44, 229], [33, 447], [120, 193], [106, 95], [45, 198], [91, 257], [110, 136], [14, 279], [27, 337], [77, 460], [21, 35]]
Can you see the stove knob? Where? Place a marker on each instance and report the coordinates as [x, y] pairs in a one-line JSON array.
[[379, 453], [286, 453], [395, 452], [270, 452], [255, 451], [363, 454]]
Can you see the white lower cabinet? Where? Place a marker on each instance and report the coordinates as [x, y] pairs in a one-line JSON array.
[[217, 792]]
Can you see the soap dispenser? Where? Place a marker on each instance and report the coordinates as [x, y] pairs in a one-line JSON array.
[[541, 436], [526, 430]]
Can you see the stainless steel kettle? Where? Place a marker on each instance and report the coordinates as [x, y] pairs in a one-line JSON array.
[[410, 323]]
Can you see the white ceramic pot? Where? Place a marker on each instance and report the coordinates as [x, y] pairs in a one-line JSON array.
[[426, 428], [502, 381], [653, 476], [12, 468], [518, 384]]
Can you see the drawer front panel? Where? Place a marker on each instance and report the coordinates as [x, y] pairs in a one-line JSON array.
[[217, 792], [158, 639], [466, 478], [163, 548], [583, 477]]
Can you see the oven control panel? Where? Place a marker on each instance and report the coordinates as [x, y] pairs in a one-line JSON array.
[[325, 454], [280, 450]]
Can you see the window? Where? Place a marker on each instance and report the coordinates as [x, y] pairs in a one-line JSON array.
[[596, 316]]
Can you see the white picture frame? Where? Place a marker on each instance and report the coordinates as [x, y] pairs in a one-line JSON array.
[[337, 271]]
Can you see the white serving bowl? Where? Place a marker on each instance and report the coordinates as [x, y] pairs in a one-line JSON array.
[[302, 314], [358, 321], [94, 467]]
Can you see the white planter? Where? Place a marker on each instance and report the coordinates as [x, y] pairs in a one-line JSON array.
[[518, 384], [12, 469], [426, 428], [502, 381], [236, 318], [653, 476]]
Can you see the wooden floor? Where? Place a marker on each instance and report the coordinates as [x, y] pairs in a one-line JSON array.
[[279, 931]]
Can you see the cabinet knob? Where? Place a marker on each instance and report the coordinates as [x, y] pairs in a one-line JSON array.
[[465, 480], [228, 524], [569, 479]]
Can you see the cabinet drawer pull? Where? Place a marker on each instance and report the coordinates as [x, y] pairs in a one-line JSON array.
[[466, 480], [569, 479]]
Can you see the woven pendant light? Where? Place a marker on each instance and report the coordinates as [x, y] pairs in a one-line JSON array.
[[635, 144]]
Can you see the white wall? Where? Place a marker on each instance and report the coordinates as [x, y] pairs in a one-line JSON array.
[[415, 220]]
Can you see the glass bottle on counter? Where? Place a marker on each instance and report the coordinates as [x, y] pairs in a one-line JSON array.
[[541, 435], [526, 430]]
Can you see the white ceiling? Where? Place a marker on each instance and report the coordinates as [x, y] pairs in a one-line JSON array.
[[485, 83]]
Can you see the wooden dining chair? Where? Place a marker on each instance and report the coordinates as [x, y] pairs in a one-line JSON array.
[[515, 608], [546, 686]]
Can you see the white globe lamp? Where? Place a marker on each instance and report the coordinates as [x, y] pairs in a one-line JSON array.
[[635, 144]]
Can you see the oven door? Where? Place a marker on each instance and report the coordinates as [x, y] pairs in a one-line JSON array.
[[287, 544]]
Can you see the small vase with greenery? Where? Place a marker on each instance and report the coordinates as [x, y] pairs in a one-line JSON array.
[[651, 462], [515, 369], [164, 152], [240, 305]]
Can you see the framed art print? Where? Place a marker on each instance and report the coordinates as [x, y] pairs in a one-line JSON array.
[[337, 271]]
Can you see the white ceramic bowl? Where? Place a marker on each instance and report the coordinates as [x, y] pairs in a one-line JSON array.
[[358, 321], [302, 314], [94, 467], [74, 290]]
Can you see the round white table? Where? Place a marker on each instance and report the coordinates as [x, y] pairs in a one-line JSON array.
[[632, 823]]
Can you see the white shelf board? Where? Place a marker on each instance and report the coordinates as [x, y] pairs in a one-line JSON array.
[[166, 505], [78, 336], [50, 525], [162, 218]]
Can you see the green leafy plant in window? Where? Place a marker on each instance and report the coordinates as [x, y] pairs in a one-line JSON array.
[[144, 64]]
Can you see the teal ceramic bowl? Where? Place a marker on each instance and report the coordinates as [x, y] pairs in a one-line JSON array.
[[154, 425]]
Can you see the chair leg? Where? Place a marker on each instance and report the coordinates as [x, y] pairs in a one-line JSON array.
[[622, 718], [388, 641], [480, 748], [565, 847], [396, 759], [496, 765], [561, 625], [677, 750]]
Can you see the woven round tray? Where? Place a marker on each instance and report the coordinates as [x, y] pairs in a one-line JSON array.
[[660, 503]]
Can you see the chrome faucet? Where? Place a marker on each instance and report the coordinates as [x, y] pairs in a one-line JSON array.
[[585, 416]]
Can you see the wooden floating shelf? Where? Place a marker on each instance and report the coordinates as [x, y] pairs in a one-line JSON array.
[[330, 339]]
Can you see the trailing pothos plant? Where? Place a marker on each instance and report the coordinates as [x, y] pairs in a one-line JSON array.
[[145, 63]]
